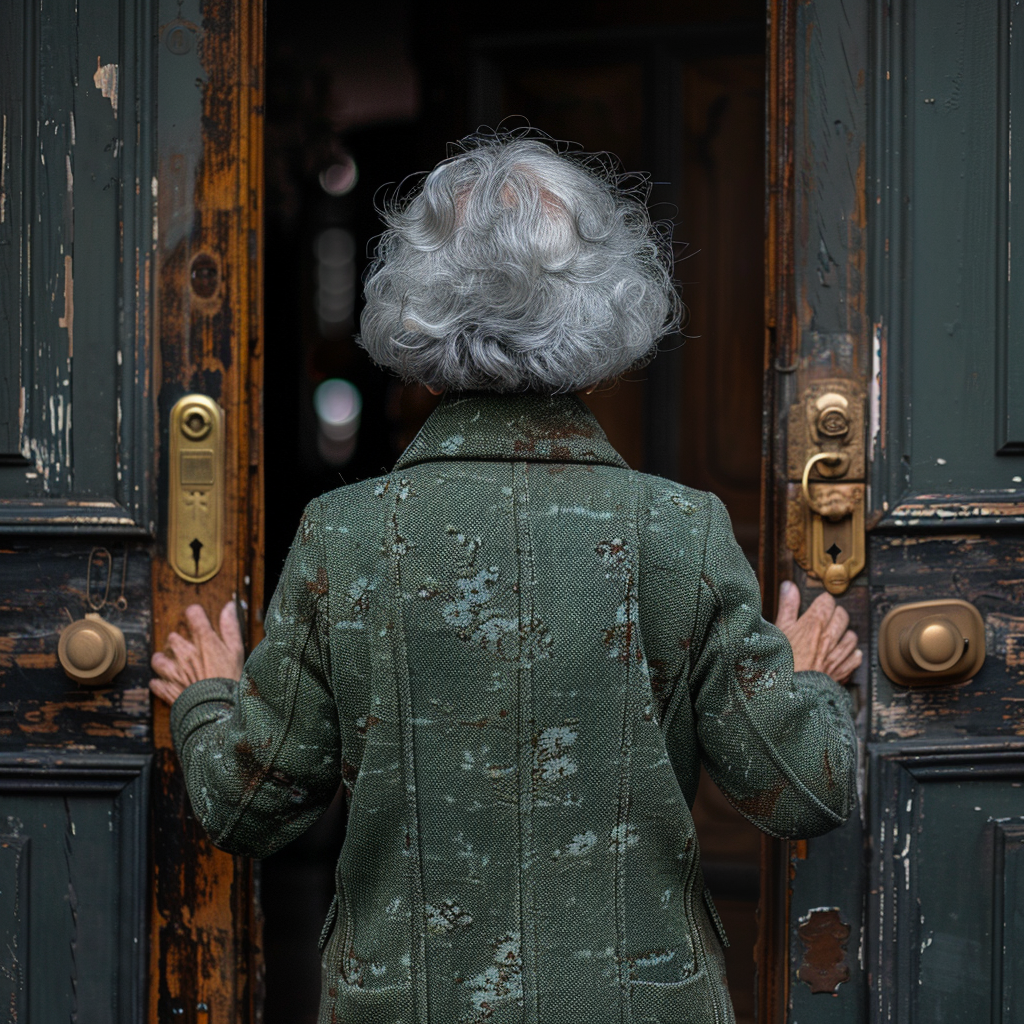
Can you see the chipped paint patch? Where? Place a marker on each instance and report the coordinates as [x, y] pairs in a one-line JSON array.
[[105, 80], [3, 170], [67, 321], [909, 514], [875, 438], [824, 935]]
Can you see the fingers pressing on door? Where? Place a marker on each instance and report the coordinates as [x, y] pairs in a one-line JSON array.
[[820, 638], [208, 654]]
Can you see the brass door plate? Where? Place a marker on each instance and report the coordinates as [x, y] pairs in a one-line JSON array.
[[931, 643], [195, 496], [825, 520], [827, 540]]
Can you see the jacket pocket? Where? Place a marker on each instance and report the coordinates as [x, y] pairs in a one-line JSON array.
[[328, 928], [715, 919], [690, 1000]]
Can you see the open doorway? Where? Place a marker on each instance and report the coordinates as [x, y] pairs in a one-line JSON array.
[[359, 97]]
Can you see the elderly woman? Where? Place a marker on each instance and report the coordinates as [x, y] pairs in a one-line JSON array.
[[513, 651]]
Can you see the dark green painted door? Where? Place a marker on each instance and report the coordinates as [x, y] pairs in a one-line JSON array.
[[908, 278], [76, 240], [947, 765]]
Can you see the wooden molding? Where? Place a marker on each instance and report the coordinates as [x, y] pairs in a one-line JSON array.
[[781, 351]]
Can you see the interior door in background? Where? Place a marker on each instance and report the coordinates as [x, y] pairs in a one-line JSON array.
[[687, 104]]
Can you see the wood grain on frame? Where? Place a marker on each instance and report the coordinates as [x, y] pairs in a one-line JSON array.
[[204, 929]]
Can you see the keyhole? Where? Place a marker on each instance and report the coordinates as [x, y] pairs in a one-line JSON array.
[[196, 546], [835, 551]]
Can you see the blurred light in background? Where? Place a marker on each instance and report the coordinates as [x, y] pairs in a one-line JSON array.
[[338, 406], [335, 280], [341, 177]]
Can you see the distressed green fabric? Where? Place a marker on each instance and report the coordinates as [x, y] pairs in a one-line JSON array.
[[514, 653]]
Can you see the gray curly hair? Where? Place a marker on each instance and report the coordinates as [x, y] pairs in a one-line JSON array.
[[514, 267]]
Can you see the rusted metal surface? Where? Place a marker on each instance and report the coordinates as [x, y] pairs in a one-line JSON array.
[[204, 925], [824, 935]]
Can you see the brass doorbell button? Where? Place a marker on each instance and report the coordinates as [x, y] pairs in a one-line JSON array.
[[91, 650], [196, 421], [833, 416], [932, 642]]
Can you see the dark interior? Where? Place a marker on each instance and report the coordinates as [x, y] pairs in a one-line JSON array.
[[361, 96]]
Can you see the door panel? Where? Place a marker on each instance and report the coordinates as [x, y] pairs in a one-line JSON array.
[[72, 887], [75, 256], [948, 259], [984, 569], [947, 883], [45, 585], [204, 931], [814, 891]]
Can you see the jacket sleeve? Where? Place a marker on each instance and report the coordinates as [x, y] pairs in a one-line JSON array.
[[780, 744], [261, 756]]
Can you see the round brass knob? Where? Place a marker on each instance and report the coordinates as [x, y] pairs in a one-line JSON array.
[[837, 578], [92, 651], [935, 644]]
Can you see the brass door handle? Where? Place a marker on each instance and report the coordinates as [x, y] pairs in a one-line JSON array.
[[932, 642], [845, 510], [829, 458]]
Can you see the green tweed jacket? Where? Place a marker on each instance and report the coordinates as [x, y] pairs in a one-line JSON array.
[[514, 653]]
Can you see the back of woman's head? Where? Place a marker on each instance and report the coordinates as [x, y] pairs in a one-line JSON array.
[[514, 267]]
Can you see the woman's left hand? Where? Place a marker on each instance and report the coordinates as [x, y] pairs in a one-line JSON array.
[[208, 655]]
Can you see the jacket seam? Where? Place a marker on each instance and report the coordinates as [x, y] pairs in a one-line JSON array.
[[621, 833], [399, 668], [524, 674], [432, 457]]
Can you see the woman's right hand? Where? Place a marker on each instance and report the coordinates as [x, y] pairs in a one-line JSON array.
[[820, 639], [208, 655]]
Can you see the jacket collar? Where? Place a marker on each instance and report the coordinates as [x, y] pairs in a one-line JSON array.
[[490, 427]]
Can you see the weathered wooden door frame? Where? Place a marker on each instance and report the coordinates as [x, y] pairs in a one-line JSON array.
[[816, 325], [204, 928]]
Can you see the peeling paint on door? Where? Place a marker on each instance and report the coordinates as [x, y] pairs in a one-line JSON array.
[[105, 80], [67, 321]]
